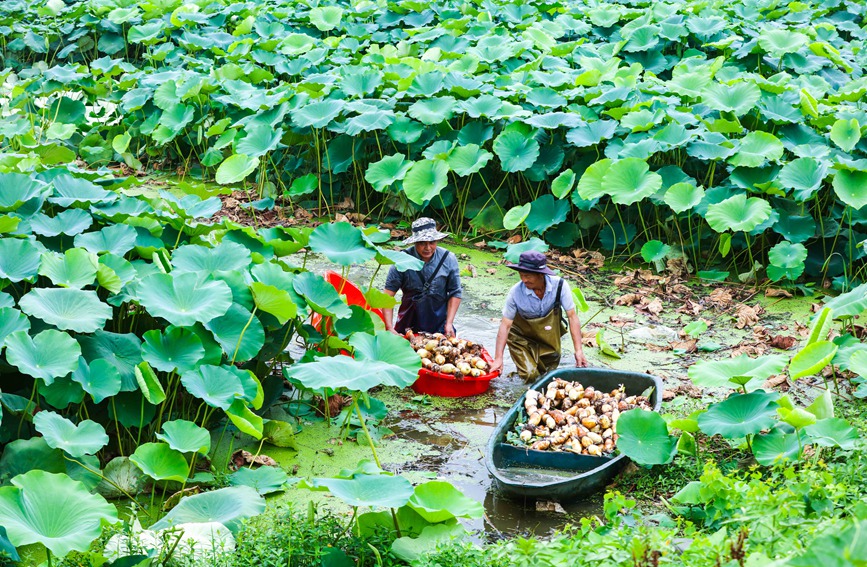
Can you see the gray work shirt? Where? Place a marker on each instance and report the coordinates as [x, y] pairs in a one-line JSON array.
[[526, 303], [446, 284]]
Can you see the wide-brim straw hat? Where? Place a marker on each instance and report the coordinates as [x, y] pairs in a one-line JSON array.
[[425, 230], [532, 261]]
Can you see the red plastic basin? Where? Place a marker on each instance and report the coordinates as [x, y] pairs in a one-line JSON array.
[[447, 386]]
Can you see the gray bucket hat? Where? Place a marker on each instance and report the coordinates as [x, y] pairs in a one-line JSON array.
[[425, 230], [532, 261]]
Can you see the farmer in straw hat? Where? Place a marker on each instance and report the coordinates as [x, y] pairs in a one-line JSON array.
[[431, 296], [532, 322]]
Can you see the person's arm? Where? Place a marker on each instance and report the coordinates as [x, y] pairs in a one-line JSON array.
[[451, 311], [575, 331], [500, 348], [387, 313]]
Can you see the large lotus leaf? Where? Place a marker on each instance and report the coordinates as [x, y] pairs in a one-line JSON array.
[[719, 373], [739, 98], [387, 348], [274, 301], [438, 501], [263, 480], [345, 372], [683, 196], [228, 506], [280, 433], [123, 351], [387, 171], [738, 214], [787, 261], [115, 239], [61, 392], [739, 415], [517, 151], [591, 133], [186, 437], [515, 216], [149, 384], [24, 455], [514, 251], [812, 359], [468, 159], [775, 447], [803, 175], [591, 186], [365, 489], [432, 111], [779, 42], [832, 432], [245, 420], [101, 379], [69, 190], [215, 385], [175, 349], [19, 259], [260, 140], [225, 257], [235, 168], [412, 549], [54, 510], [160, 462], [545, 212], [239, 332], [849, 187], [11, 320], [184, 299], [18, 189], [341, 243], [121, 477], [76, 268], [629, 180], [849, 304], [48, 355], [846, 133], [320, 295], [317, 114], [191, 206], [398, 258], [425, 180], [643, 437], [86, 438], [756, 149], [67, 309], [70, 223]]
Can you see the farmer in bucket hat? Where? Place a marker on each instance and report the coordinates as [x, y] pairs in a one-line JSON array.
[[533, 323], [431, 296]]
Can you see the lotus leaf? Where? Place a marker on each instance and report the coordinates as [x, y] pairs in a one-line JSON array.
[[18, 189], [121, 477], [76, 268], [401, 260], [740, 415], [517, 151], [115, 239], [184, 299], [438, 501], [515, 216], [411, 549], [341, 243], [160, 462], [185, 437], [832, 432], [846, 133], [263, 480], [70, 223], [545, 212], [31, 512], [775, 447], [365, 489], [11, 320], [228, 506], [86, 438], [69, 190], [644, 438], [812, 359], [48, 355], [19, 259], [738, 213], [320, 295], [849, 187], [425, 180], [215, 385], [387, 171], [719, 373], [787, 261], [225, 257], [175, 349]]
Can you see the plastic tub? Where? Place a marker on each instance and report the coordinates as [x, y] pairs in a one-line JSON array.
[[447, 386]]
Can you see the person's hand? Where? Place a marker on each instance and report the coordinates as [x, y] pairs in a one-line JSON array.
[[581, 360], [496, 365], [450, 330], [395, 332]]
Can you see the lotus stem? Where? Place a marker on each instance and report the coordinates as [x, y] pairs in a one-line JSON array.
[[366, 432], [244, 330]]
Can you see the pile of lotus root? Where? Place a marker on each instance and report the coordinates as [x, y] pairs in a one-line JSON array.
[[448, 355], [569, 417]]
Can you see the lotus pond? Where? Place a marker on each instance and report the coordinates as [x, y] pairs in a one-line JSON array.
[[176, 176]]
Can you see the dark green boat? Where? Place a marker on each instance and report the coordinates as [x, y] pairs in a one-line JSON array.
[[561, 475]]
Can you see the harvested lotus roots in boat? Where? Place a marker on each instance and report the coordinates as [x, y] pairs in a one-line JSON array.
[[448, 355], [570, 417]]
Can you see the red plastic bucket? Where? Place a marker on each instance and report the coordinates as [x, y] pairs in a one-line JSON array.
[[447, 386], [354, 296]]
